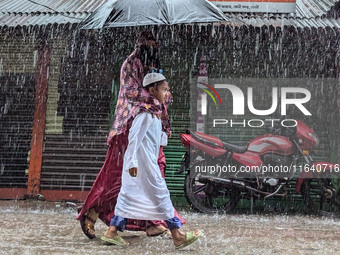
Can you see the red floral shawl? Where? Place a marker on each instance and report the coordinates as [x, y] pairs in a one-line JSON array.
[[132, 99]]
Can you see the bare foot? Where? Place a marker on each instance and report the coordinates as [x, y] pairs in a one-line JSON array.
[[155, 230], [111, 232]]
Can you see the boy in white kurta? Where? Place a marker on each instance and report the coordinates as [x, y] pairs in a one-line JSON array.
[[145, 196]]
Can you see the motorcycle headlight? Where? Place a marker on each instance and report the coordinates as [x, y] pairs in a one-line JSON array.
[[315, 137]]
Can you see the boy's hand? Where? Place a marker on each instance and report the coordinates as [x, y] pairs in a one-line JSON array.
[[133, 171]]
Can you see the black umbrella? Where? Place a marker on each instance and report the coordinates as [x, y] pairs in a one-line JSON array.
[[122, 13]]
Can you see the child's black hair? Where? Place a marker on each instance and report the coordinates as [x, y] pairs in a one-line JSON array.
[[155, 85]]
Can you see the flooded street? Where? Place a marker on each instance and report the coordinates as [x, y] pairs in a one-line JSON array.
[[250, 116], [33, 227]]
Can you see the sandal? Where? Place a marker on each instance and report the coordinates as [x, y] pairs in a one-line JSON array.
[[117, 240], [190, 238], [86, 227]]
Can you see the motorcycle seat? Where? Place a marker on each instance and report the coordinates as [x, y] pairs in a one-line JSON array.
[[207, 139], [206, 143], [237, 148], [216, 142]]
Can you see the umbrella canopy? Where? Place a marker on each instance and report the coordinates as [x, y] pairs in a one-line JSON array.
[[123, 13]]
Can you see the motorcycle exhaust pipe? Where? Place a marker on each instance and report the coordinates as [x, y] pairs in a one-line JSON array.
[[223, 181], [242, 185]]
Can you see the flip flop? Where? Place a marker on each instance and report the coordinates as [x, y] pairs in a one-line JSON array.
[[191, 237], [117, 240], [86, 227]]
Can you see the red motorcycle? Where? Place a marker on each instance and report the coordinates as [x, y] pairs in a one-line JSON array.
[[241, 170]]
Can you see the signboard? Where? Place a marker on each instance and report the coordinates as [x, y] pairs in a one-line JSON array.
[[271, 6]]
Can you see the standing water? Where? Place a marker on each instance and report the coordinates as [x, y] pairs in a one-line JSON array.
[[34, 227]]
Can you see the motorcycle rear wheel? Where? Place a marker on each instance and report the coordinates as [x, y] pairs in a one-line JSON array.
[[324, 203], [210, 197]]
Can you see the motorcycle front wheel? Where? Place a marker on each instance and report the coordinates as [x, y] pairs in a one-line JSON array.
[[322, 201], [209, 197]]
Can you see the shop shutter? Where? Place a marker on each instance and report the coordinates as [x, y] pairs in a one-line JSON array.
[[17, 93]]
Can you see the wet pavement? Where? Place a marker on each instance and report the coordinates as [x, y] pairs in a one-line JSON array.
[[35, 227]]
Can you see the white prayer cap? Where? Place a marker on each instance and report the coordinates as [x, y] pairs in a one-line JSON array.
[[152, 78]]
